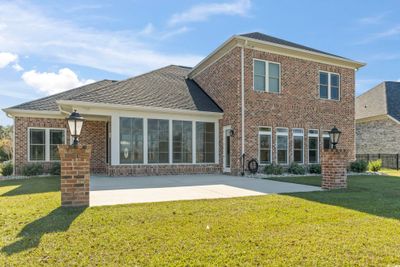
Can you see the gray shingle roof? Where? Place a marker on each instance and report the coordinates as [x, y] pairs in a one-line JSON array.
[[383, 99], [393, 99], [49, 103], [271, 39], [167, 87]]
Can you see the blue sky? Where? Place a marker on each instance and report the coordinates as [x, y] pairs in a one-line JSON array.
[[50, 46]]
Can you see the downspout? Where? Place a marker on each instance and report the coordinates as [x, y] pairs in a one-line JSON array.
[[242, 105]]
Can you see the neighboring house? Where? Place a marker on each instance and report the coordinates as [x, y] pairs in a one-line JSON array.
[[378, 120], [255, 95]]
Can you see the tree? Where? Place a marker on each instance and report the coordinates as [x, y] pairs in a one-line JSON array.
[[6, 147]]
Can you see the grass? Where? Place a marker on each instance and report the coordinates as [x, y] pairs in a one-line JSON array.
[[358, 227], [391, 172]]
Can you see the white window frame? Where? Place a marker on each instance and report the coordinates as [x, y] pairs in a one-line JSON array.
[[308, 145], [260, 133], [276, 143], [267, 75], [46, 143], [325, 135], [302, 149], [329, 85]]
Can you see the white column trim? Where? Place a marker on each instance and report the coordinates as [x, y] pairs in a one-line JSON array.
[[194, 142], [114, 140], [170, 145], [145, 142]]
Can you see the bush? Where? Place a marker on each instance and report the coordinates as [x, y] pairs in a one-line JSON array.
[[273, 169], [7, 169], [375, 165], [295, 168], [359, 166], [55, 168], [314, 168], [32, 169]]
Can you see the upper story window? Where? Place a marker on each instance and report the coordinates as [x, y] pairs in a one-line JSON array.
[[329, 85], [266, 76]]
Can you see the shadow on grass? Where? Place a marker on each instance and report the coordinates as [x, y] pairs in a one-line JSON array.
[[59, 220], [32, 185], [376, 195]]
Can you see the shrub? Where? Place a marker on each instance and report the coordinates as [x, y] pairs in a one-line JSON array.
[[273, 169], [314, 168], [359, 166], [375, 165], [295, 168], [55, 168], [32, 169], [7, 169]]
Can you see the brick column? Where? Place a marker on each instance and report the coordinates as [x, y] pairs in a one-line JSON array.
[[334, 168], [75, 175]]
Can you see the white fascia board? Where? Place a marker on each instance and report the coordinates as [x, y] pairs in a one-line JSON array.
[[32, 113], [110, 109]]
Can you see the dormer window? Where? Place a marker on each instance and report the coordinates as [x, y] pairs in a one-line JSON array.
[[266, 76]]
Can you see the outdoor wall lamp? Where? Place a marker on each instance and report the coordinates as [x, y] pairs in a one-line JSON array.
[[230, 132], [334, 136], [75, 122]]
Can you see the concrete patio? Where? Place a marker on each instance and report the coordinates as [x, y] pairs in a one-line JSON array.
[[123, 190]]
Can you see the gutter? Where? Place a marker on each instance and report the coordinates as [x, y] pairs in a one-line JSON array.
[[242, 104]]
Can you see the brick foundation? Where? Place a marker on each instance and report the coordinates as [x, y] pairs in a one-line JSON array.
[[334, 168], [75, 175]]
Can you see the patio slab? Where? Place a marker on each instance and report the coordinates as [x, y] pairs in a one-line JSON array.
[[124, 190]]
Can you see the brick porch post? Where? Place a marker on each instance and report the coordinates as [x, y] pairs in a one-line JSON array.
[[75, 175], [334, 168]]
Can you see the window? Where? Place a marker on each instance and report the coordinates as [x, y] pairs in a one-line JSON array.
[[313, 147], [327, 140], [266, 76], [37, 144], [265, 144], [298, 145], [158, 141], [329, 85], [282, 145], [57, 137], [43, 144], [131, 140], [205, 142], [182, 141]]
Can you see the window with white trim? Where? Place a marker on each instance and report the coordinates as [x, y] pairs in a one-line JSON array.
[[265, 145], [131, 140], [329, 85], [327, 140], [158, 141], [182, 141], [282, 145], [298, 145], [205, 142], [43, 143], [266, 76], [313, 146]]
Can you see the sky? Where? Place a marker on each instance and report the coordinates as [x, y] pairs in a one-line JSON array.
[[50, 46]]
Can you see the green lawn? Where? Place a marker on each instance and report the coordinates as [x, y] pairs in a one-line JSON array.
[[391, 172], [359, 226]]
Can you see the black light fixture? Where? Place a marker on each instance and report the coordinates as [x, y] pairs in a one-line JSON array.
[[75, 122], [334, 136]]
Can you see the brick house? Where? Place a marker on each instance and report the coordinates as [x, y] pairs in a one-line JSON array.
[[255, 95], [378, 120]]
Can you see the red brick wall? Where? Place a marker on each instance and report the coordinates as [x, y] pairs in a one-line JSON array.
[[222, 83], [297, 106], [93, 132], [334, 172]]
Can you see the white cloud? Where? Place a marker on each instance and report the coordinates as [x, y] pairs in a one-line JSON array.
[[372, 20], [202, 12], [149, 29], [392, 32], [51, 83], [120, 52], [17, 67], [7, 58]]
